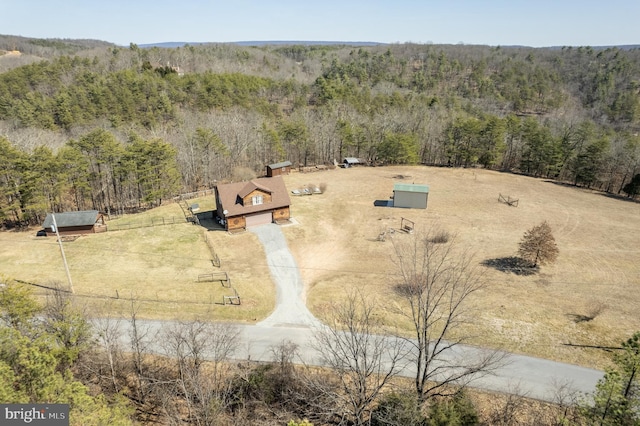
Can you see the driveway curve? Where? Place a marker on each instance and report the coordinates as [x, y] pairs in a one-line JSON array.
[[292, 321]]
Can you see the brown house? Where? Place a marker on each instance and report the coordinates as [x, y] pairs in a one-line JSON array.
[[75, 223], [277, 169], [241, 205]]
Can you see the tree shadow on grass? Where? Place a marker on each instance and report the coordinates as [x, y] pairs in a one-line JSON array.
[[405, 289], [578, 318], [513, 264]]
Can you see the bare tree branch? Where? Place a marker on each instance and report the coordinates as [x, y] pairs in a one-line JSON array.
[[200, 350], [361, 360], [436, 282]]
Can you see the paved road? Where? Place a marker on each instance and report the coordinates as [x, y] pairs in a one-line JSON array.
[[532, 377], [292, 321]]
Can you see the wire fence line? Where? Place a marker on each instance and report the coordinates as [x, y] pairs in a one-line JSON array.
[[215, 260], [192, 195], [158, 221], [181, 200]]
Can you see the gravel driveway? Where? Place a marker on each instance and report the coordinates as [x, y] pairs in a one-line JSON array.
[[291, 321], [291, 309]]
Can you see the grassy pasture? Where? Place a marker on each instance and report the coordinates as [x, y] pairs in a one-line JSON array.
[[334, 241], [158, 266], [336, 247]]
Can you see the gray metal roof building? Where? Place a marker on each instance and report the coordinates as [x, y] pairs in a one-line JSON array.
[[410, 196], [81, 222]]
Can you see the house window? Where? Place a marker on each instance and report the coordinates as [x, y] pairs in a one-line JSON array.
[[256, 199]]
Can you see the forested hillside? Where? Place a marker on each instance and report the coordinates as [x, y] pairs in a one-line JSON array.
[[92, 125]]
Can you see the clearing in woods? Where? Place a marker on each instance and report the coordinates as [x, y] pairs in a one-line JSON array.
[[335, 241], [337, 248]]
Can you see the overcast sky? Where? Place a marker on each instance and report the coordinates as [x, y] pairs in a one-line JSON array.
[[535, 23]]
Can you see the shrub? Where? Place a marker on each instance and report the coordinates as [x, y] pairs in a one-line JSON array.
[[398, 408], [455, 411], [440, 237]]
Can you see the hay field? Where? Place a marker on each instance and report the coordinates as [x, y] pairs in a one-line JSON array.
[[599, 263], [157, 266]]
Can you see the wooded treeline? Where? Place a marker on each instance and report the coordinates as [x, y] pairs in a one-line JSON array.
[[78, 130]]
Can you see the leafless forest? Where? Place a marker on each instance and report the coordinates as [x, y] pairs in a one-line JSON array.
[[87, 124], [79, 120]]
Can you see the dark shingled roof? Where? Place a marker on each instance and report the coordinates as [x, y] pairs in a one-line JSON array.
[[230, 192], [67, 219]]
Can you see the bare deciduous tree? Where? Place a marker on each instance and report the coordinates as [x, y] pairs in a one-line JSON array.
[[436, 284], [108, 336], [284, 355], [538, 245], [140, 337], [200, 350], [361, 359], [566, 402]]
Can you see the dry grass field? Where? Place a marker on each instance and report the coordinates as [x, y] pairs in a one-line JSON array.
[[335, 244], [157, 266], [334, 240]]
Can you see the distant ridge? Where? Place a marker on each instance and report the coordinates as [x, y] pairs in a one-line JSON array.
[[169, 44], [174, 44], [309, 43], [621, 47]]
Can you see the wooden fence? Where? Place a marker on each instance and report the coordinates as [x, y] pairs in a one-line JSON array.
[[223, 277]]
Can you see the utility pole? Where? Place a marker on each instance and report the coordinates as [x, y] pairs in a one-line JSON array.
[[64, 258]]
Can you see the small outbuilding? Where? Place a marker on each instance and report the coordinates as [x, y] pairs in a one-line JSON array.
[[277, 169], [350, 162], [241, 205], [410, 196], [75, 223]]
